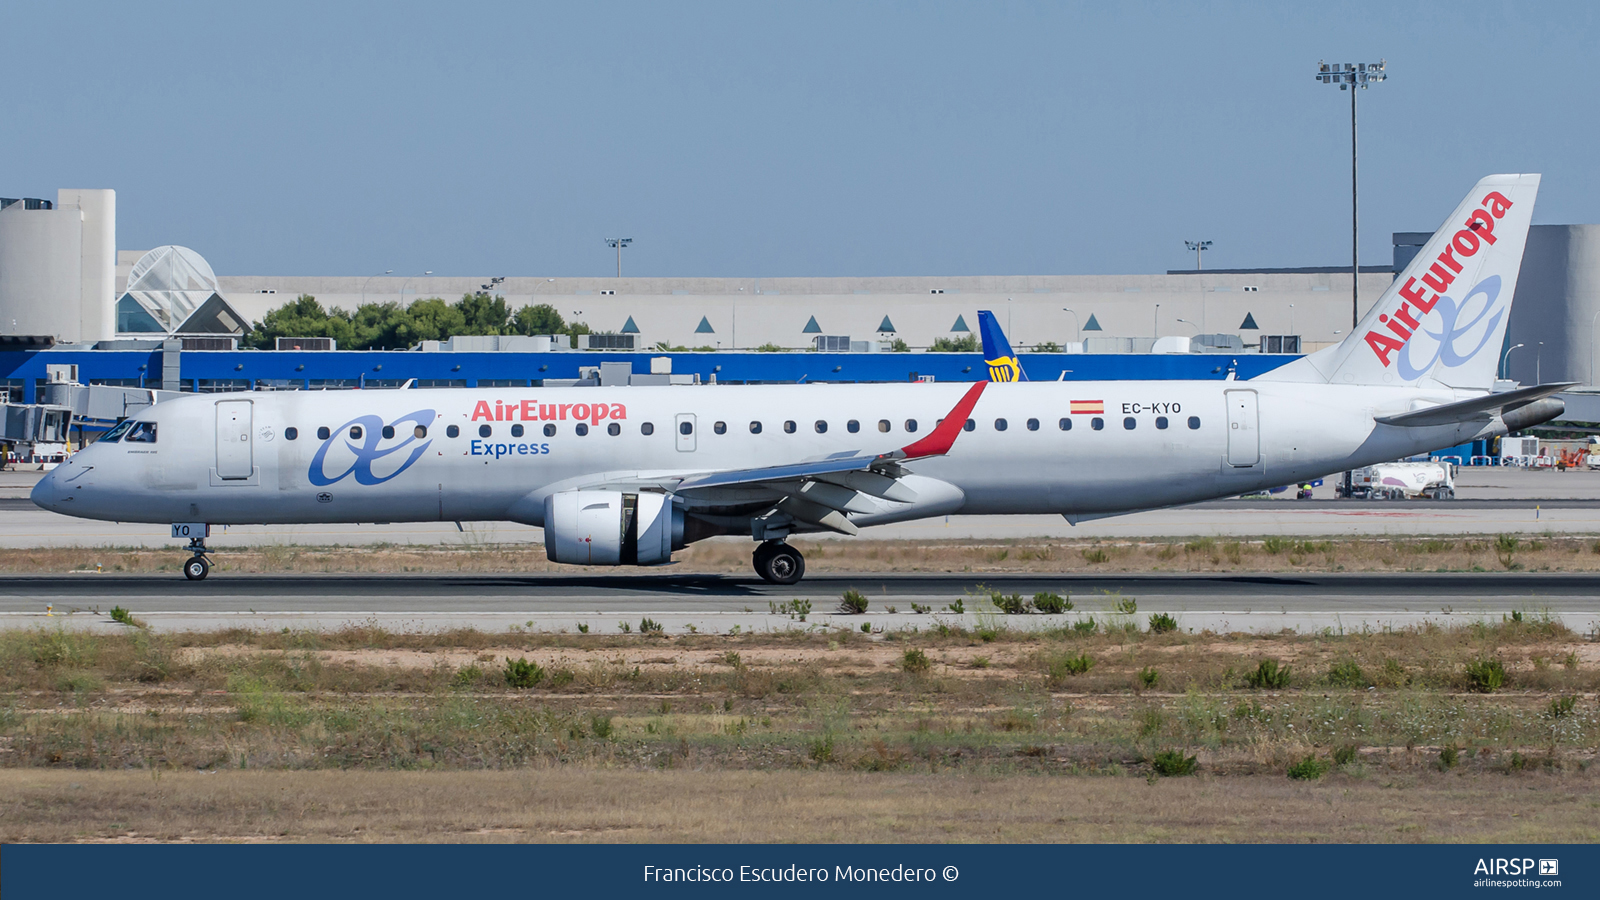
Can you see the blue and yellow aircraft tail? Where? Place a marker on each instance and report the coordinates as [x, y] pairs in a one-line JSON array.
[[1003, 364]]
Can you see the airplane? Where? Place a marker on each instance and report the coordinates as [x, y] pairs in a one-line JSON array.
[[627, 475]]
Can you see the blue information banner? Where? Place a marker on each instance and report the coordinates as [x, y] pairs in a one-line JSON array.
[[643, 870]]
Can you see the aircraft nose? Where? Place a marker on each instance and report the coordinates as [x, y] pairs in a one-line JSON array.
[[44, 493]]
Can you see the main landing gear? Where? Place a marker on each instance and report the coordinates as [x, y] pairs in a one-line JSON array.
[[198, 567], [778, 563]]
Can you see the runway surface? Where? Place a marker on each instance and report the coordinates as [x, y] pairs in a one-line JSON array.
[[1494, 500], [712, 603]]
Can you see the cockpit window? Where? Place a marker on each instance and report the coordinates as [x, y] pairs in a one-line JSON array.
[[116, 433], [141, 433]]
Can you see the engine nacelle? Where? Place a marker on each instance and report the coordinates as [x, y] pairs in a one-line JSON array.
[[611, 528]]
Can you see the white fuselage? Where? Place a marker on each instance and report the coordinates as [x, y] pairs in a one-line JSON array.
[[257, 457]]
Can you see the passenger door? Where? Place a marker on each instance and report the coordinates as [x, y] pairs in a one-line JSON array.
[[1244, 431], [684, 432], [234, 457]]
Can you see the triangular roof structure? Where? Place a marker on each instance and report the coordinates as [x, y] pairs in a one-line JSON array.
[[1249, 322], [703, 328], [961, 324], [886, 325], [167, 290], [811, 326], [1093, 324], [629, 327]]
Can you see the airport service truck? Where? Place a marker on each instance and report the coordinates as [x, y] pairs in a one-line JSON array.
[[1401, 481]]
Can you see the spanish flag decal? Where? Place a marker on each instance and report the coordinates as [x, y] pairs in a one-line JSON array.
[[1088, 407]]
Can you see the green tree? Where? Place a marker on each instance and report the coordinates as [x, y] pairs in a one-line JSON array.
[[577, 328], [301, 317], [484, 315], [540, 319], [968, 344]]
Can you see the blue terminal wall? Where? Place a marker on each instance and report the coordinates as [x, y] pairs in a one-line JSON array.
[[216, 370]]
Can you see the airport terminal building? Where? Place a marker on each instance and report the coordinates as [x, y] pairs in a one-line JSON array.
[[163, 319]]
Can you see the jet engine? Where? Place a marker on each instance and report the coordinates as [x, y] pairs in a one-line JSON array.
[[611, 528]]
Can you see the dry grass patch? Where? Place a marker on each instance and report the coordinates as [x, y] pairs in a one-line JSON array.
[[1203, 554]]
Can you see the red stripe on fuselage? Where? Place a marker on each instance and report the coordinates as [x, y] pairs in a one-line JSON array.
[[938, 443]]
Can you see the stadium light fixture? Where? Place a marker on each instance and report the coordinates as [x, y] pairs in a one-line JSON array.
[[1198, 247], [1349, 76], [619, 243]]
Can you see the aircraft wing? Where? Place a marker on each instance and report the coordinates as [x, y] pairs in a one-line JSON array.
[[1476, 407], [822, 492]]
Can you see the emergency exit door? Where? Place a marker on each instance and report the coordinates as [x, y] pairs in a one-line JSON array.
[[1244, 431], [234, 457], [685, 428]]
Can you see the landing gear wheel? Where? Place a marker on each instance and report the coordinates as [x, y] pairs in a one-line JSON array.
[[782, 564], [761, 556], [196, 569]]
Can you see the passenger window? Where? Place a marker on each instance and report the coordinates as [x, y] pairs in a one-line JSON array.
[[613, 429], [452, 431], [883, 425], [852, 426], [516, 430], [291, 433], [647, 428], [1194, 423], [755, 427], [484, 431], [322, 433], [720, 428], [821, 426], [969, 425], [1033, 424], [1097, 423], [1130, 423], [388, 432], [1066, 424], [141, 433], [999, 425], [582, 428], [788, 427], [686, 428], [419, 432], [1161, 423], [355, 432], [549, 431], [116, 432], [911, 426]]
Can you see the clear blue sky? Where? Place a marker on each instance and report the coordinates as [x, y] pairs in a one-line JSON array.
[[816, 139]]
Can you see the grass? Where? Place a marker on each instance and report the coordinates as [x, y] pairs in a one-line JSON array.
[[1264, 554], [1485, 676], [853, 603], [1268, 675], [949, 706]]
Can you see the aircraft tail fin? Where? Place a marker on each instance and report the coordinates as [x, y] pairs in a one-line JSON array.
[[1003, 364], [1444, 319]]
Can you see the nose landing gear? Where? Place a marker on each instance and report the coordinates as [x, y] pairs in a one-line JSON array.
[[198, 567], [778, 563]]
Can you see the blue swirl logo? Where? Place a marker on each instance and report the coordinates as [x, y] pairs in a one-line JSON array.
[[1451, 330], [368, 451]]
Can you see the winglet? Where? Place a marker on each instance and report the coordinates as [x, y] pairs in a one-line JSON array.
[[940, 440], [1003, 364]]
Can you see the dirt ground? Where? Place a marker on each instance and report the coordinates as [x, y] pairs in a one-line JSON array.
[[583, 805]]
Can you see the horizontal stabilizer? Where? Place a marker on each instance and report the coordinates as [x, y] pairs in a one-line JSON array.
[[1464, 410]]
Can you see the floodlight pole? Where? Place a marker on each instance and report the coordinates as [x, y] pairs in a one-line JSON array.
[[619, 243], [1350, 76], [1198, 247]]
